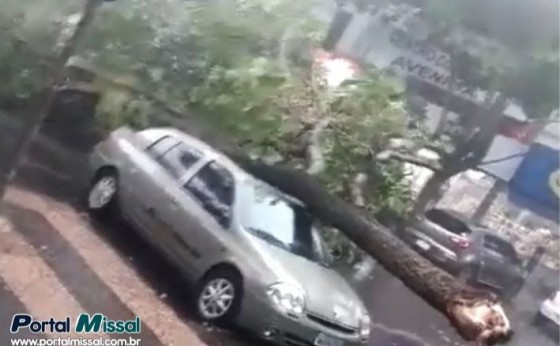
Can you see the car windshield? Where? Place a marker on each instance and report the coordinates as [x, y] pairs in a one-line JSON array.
[[283, 223]]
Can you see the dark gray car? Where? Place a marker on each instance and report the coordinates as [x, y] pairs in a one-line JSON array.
[[255, 253], [466, 249]]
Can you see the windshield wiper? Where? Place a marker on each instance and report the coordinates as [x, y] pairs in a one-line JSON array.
[[268, 237]]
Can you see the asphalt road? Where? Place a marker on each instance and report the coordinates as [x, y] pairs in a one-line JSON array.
[[400, 318]]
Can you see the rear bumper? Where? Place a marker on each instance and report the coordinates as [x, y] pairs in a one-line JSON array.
[[436, 253]]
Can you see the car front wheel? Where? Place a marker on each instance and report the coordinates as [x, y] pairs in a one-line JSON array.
[[219, 296]]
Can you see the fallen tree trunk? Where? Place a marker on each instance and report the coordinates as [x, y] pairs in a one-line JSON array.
[[476, 315]]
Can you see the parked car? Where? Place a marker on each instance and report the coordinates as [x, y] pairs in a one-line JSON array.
[[549, 311], [469, 250], [256, 255]]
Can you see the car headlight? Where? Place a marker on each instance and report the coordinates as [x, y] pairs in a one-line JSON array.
[[365, 326], [288, 298]]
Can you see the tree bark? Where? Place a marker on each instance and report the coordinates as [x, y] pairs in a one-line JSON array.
[[466, 156], [430, 192], [340, 22], [488, 200], [442, 122], [32, 126]]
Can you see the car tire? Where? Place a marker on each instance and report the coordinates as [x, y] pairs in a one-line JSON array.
[[102, 194], [215, 307]]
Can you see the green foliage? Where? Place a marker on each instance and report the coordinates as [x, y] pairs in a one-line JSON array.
[[535, 85], [246, 102], [507, 56], [29, 32], [365, 114], [244, 67]]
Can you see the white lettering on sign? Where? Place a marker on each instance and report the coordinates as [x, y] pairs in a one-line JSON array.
[[426, 63]]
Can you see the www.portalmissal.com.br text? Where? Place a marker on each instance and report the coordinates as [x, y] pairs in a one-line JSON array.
[[80, 341]]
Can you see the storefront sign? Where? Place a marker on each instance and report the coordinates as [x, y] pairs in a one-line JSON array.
[[538, 179], [426, 63]]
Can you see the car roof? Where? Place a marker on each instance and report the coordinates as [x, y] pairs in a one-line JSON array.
[[153, 134], [461, 217], [211, 153]]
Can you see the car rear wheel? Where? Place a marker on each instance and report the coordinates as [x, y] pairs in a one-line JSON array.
[[219, 296], [103, 192]]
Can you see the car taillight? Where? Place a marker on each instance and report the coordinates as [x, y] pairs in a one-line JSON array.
[[460, 242]]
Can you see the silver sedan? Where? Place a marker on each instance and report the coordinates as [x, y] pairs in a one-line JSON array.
[[255, 254]]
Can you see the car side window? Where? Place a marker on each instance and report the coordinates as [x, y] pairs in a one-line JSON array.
[[175, 156], [213, 188]]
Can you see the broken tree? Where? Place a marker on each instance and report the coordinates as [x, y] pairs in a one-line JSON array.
[[476, 315]]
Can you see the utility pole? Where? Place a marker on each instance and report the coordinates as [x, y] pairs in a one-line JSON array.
[[35, 121]]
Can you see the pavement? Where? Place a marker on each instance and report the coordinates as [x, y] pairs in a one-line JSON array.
[[56, 260]]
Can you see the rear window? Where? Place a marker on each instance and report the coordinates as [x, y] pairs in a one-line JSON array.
[[447, 221], [175, 156], [499, 247], [161, 146]]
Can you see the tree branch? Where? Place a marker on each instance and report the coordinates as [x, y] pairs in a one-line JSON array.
[[315, 152], [419, 161], [356, 186]]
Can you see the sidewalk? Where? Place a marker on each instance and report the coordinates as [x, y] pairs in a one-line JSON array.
[[55, 262]]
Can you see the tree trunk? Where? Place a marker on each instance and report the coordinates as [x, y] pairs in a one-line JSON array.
[[435, 286], [444, 115], [488, 200], [338, 25], [32, 126], [430, 192], [442, 122]]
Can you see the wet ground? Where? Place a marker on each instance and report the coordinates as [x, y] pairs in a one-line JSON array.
[[101, 266]]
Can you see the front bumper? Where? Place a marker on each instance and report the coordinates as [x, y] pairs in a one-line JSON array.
[[259, 316]]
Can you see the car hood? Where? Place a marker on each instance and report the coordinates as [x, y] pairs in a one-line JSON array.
[[329, 296]]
